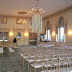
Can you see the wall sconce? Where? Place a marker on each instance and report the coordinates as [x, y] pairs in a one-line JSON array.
[[53, 34], [11, 34], [26, 34], [70, 33]]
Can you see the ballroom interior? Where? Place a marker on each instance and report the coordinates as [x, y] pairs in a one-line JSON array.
[[36, 36]]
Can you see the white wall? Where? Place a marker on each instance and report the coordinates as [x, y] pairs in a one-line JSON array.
[[67, 15], [11, 25]]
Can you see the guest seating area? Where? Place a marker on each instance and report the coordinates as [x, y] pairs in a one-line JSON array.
[[48, 59], [35, 35], [7, 45], [43, 58]]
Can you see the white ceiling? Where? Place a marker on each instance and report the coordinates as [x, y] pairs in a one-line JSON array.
[[11, 7]]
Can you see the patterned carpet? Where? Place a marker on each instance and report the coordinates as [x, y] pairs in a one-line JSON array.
[[11, 62]]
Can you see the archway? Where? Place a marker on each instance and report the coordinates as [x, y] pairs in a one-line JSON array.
[[48, 32]]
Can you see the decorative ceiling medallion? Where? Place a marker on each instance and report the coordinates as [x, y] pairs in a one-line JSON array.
[[22, 12]]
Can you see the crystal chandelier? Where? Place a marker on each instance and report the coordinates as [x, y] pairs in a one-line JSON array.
[[37, 10], [37, 19]]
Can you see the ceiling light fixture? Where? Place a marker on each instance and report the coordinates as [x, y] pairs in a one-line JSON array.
[[37, 10], [21, 21], [37, 18]]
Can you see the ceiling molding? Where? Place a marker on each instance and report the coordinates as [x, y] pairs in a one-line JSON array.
[[17, 17], [67, 9]]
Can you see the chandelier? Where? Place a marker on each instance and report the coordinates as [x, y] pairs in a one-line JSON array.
[[37, 18], [37, 10], [21, 21]]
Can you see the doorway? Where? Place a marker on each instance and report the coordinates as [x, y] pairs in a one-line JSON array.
[[32, 38]]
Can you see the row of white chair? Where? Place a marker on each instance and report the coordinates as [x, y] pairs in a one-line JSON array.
[[40, 57]]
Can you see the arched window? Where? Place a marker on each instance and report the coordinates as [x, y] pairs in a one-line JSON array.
[[48, 32], [61, 30], [61, 22], [48, 25]]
